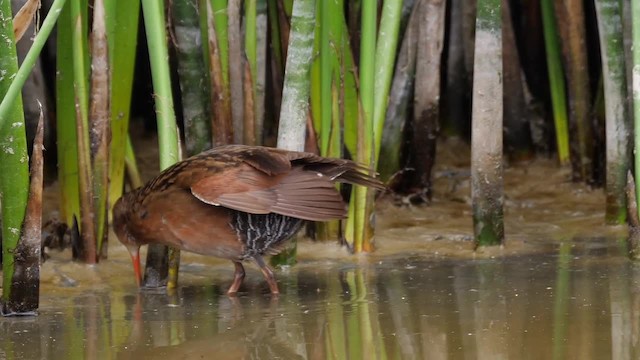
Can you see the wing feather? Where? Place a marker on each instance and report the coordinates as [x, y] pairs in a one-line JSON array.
[[294, 184]]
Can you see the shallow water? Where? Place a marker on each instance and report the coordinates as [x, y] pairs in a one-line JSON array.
[[561, 288], [578, 301]]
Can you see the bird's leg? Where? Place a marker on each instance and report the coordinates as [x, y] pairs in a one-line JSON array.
[[238, 277], [267, 273]]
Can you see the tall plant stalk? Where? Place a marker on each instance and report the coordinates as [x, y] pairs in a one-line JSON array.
[[161, 270], [248, 108], [334, 93], [21, 222], [236, 69], [359, 231], [556, 80], [570, 19], [426, 111], [100, 129], [193, 85], [278, 52], [368, 66], [346, 79], [79, 47], [633, 240], [486, 132], [131, 166], [346, 104], [330, 81], [617, 123], [635, 29], [326, 72], [14, 176], [260, 72], [221, 123], [250, 50], [295, 98], [251, 32], [385, 59], [24, 288], [65, 125], [221, 23], [122, 18], [399, 98]]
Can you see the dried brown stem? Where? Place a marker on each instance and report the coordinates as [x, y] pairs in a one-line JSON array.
[[285, 27], [236, 70], [570, 18], [23, 18], [249, 110], [632, 216], [85, 183], [221, 126]]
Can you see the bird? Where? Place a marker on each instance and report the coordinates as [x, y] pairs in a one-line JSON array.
[[235, 202]]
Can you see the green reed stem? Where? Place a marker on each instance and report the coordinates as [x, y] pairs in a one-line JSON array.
[[122, 17], [556, 80], [153, 12], [14, 176]]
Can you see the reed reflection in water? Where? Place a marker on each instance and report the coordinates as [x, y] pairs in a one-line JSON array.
[[579, 302]]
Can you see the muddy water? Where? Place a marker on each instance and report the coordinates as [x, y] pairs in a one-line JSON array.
[[579, 301], [560, 288]]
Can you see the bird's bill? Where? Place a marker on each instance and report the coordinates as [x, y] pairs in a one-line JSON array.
[[135, 259]]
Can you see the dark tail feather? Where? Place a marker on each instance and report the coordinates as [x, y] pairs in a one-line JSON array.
[[353, 176], [348, 172], [341, 170]]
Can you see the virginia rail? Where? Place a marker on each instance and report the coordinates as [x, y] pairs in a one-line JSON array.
[[235, 202]]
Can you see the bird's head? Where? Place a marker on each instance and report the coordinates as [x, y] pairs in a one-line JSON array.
[[121, 214]]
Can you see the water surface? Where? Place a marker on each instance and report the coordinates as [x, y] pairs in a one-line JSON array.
[[578, 301]]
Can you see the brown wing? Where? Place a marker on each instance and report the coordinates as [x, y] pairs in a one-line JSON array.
[[298, 193], [242, 188], [308, 195], [290, 183]]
